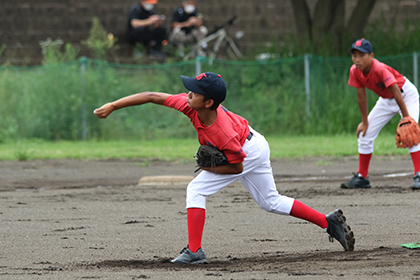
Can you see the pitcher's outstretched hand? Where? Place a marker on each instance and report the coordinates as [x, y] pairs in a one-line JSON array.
[[104, 111]]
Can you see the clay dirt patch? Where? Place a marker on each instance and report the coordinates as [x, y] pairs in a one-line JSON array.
[[69, 219]]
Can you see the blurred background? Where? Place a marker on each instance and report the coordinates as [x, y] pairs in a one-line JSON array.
[[61, 59], [261, 27]]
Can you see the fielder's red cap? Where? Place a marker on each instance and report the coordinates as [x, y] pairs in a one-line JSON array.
[[209, 83], [362, 45]]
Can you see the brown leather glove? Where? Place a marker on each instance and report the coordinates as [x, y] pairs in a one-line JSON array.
[[408, 133]]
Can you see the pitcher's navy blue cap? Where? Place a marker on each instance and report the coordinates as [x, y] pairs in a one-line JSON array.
[[362, 45], [208, 83]]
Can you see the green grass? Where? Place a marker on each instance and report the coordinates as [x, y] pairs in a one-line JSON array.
[[184, 149]]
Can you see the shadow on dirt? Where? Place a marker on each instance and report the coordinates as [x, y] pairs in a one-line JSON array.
[[302, 264]]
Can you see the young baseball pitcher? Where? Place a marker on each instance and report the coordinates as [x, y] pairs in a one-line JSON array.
[[248, 154], [397, 95]]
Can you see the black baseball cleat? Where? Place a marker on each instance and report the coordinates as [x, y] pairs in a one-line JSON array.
[[357, 182], [416, 182], [338, 229], [188, 257]]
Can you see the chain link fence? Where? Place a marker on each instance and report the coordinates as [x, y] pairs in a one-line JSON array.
[[298, 96]]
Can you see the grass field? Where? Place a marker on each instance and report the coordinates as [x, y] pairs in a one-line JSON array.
[[178, 149]]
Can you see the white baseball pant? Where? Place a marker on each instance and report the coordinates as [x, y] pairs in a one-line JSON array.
[[383, 111], [257, 177]]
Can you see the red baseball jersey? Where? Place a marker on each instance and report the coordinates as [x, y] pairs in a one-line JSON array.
[[228, 133], [379, 79]]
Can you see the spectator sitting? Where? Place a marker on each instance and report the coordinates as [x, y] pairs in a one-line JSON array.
[[187, 25], [146, 27]]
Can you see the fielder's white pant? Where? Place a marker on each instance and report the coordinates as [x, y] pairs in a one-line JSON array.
[[383, 111], [257, 177]]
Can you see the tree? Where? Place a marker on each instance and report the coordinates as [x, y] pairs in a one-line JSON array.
[[328, 24]]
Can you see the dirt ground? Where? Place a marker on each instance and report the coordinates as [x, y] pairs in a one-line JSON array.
[[69, 219]]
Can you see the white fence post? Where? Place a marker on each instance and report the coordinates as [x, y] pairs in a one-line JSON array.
[[198, 65], [307, 87], [83, 94], [415, 69]]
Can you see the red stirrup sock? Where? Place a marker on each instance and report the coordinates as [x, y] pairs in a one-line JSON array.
[[303, 211], [415, 157], [364, 161], [195, 218]]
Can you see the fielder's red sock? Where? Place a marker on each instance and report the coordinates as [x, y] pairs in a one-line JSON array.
[[195, 218], [364, 161], [416, 161], [303, 211]]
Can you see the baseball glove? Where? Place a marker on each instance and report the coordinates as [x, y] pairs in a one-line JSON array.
[[408, 133], [208, 156]]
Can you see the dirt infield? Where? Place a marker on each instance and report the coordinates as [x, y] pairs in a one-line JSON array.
[[69, 219]]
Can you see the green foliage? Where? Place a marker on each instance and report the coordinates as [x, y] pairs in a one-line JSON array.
[[387, 40], [46, 105], [382, 33], [99, 42], [52, 53], [55, 100]]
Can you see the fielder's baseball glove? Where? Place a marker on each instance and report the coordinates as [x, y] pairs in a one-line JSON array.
[[208, 156], [408, 133]]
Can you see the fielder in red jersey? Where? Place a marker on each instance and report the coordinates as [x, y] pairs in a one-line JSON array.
[[380, 79], [397, 95]]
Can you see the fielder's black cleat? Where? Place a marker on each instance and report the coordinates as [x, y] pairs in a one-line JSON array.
[[416, 182], [338, 229], [357, 182]]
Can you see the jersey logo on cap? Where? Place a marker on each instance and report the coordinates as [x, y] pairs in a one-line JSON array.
[[359, 43], [199, 77]]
